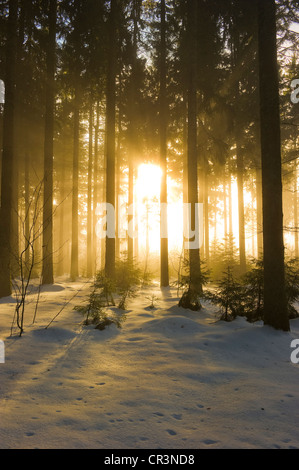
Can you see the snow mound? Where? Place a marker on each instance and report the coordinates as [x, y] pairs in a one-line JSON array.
[[53, 335], [174, 325]]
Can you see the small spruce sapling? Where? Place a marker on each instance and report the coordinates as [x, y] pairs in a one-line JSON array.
[[153, 300], [253, 289], [228, 296], [253, 285], [292, 286], [105, 287], [128, 278], [94, 309], [191, 298]]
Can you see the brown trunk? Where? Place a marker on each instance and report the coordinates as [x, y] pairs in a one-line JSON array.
[[8, 153], [110, 136], [47, 271], [275, 306], [240, 183], [192, 143], [259, 213], [89, 247], [296, 227], [96, 186], [75, 192], [164, 273]]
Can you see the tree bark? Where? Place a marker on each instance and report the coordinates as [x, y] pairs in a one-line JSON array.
[[75, 193], [164, 273], [259, 213], [96, 192], [8, 153], [206, 216], [275, 306], [89, 195], [47, 270], [110, 135], [296, 227], [194, 258], [240, 184]]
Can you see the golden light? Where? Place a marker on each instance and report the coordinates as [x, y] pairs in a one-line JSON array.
[[148, 186], [148, 182]]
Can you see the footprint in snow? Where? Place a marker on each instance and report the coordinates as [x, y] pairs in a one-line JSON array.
[[209, 442], [178, 417]]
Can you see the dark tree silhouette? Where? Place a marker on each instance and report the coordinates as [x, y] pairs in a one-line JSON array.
[[275, 313]]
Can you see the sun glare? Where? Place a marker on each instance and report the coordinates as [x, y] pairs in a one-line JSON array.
[[149, 182], [148, 187]]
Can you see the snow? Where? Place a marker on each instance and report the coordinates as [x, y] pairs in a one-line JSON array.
[[168, 379]]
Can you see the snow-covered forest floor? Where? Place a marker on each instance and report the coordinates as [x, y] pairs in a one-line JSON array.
[[169, 378]]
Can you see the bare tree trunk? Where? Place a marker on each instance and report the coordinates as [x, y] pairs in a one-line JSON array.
[[275, 305], [206, 216], [8, 153], [192, 142], [133, 134], [118, 165], [27, 203], [259, 213], [89, 270], [230, 205], [164, 270], [185, 163], [75, 193], [47, 271], [61, 264], [240, 183], [96, 186], [296, 226], [225, 211], [110, 143]]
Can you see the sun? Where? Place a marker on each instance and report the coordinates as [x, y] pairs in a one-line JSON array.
[[148, 182], [148, 187]]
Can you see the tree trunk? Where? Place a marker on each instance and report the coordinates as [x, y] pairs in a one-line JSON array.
[[110, 136], [259, 213], [192, 142], [8, 153], [62, 213], [206, 216], [27, 204], [75, 193], [164, 273], [225, 212], [118, 166], [133, 135], [96, 186], [275, 306], [240, 184], [230, 207], [296, 227], [89, 269], [47, 270]]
